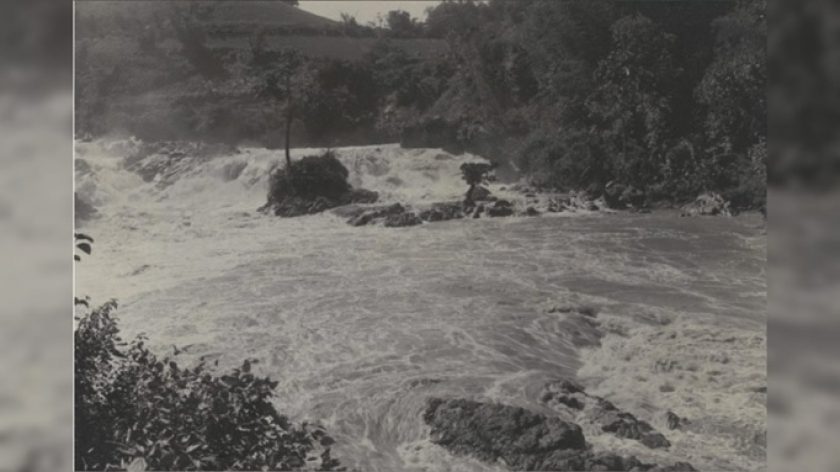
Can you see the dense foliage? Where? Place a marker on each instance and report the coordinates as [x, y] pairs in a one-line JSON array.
[[132, 407], [309, 178], [311, 185], [664, 97]]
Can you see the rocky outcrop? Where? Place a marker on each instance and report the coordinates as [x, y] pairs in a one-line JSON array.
[[311, 185], [707, 204], [531, 211], [565, 395], [370, 215], [480, 194], [296, 206], [674, 421], [443, 212], [404, 219], [522, 439], [358, 195], [571, 202], [500, 208]]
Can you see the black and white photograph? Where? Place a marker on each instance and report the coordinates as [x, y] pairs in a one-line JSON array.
[[422, 236]]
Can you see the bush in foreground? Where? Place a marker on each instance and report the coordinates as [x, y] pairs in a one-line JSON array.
[[129, 404]]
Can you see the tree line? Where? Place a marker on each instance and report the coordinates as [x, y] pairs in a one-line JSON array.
[[665, 97]]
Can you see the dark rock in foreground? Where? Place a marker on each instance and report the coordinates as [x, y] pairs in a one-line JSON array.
[[524, 440], [521, 439], [569, 395]]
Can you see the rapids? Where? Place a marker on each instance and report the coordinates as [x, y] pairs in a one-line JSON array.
[[361, 325]]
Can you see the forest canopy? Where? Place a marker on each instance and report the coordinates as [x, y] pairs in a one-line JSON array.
[[666, 97]]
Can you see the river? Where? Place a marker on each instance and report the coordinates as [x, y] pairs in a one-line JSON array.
[[361, 325]]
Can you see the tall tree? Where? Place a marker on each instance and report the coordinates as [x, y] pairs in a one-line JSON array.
[[733, 91], [282, 78], [631, 102]]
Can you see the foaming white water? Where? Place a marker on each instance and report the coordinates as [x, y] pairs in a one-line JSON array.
[[361, 325]]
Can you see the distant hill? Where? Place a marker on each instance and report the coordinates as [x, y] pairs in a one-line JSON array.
[[229, 25], [244, 13], [137, 74]]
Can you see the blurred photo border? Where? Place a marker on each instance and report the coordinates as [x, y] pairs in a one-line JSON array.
[[36, 149]]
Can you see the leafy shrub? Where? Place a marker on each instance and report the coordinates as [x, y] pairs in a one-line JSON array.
[[475, 173], [565, 159], [750, 190], [309, 178], [131, 404]]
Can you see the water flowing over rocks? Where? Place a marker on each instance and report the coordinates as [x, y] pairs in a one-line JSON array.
[[521, 439], [402, 220], [569, 398], [707, 204], [166, 161], [369, 215], [619, 197], [444, 211], [572, 202]]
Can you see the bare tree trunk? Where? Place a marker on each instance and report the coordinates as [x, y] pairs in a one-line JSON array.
[[288, 139], [289, 116], [468, 200]]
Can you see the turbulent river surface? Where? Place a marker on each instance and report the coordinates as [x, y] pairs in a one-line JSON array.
[[361, 325]]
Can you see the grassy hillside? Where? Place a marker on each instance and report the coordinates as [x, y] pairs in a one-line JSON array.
[[170, 70], [245, 13]]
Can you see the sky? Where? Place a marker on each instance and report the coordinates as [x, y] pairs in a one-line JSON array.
[[366, 10]]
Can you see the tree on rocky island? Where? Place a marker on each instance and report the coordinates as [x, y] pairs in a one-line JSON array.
[[282, 78], [475, 173]]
